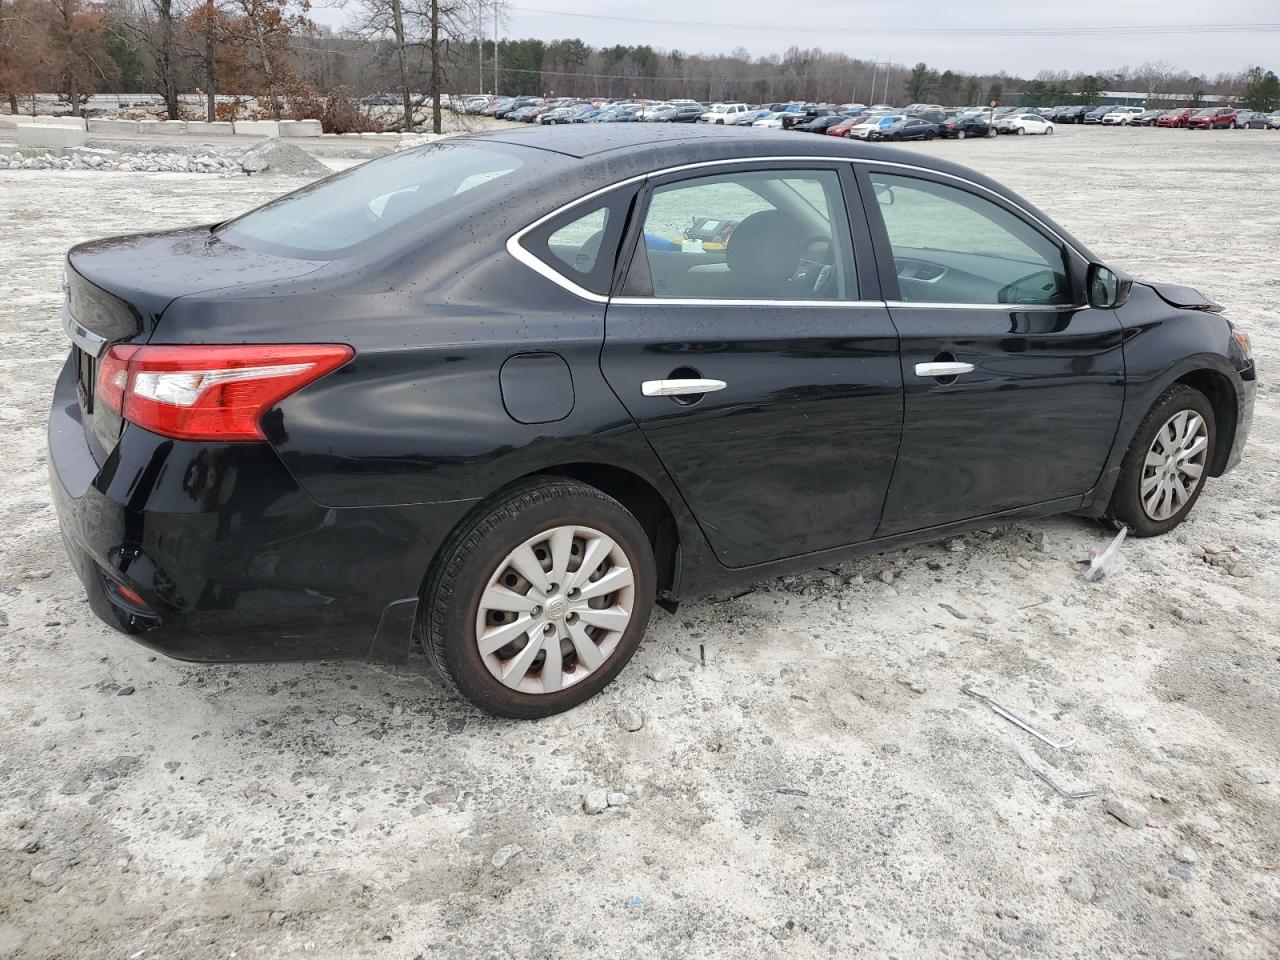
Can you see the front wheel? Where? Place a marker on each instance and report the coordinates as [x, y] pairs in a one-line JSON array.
[[1164, 470], [539, 600]]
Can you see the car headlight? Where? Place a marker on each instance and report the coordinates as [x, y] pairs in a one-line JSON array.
[[1242, 341]]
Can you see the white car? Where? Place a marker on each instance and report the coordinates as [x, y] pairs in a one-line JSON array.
[[649, 109], [1021, 123], [875, 124], [726, 113], [774, 120], [1121, 116]]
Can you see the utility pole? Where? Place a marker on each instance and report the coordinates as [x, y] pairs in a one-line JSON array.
[[495, 48], [480, 45]]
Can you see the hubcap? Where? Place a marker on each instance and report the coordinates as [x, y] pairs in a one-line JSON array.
[[1175, 465], [555, 609]]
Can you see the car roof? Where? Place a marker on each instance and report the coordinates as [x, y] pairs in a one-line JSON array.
[[658, 144]]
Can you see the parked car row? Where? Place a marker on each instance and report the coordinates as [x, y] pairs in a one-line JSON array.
[[1204, 118], [859, 121]]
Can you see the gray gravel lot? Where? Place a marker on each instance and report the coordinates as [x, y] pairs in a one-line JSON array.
[[820, 788]]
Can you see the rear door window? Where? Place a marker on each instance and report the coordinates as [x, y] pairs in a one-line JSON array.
[[581, 244], [752, 235]]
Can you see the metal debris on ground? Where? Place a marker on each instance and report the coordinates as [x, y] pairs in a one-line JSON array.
[[1103, 563], [1015, 719], [1060, 790]]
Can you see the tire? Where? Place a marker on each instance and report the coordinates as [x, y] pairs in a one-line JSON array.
[[1048, 131], [1019, 131], [928, 136], [476, 556], [960, 134], [1127, 503]]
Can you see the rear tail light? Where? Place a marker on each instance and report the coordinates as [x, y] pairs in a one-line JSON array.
[[210, 392]]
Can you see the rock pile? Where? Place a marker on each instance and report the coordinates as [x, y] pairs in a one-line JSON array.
[[270, 157]]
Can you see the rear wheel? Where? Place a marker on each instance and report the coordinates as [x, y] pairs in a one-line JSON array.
[[1164, 470], [539, 601], [1019, 130], [960, 134], [1048, 131]]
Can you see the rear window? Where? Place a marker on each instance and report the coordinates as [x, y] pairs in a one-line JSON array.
[[343, 214]]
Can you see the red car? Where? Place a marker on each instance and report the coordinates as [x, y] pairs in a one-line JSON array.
[[842, 129], [1212, 118], [1175, 118]]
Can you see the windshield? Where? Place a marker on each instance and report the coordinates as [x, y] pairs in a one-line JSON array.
[[336, 216]]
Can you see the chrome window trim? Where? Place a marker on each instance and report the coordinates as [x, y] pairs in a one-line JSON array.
[[1014, 307], [520, 253], [711, 302]]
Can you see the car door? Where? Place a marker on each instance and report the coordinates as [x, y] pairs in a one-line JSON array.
[[762, 369], [1013, 391]]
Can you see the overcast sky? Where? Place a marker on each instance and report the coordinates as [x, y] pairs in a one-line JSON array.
[[908, 31]]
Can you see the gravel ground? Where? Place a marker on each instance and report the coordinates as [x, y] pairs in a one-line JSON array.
[[821, 787]]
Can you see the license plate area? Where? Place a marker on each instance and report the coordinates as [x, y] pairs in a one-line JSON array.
[[86, 372]]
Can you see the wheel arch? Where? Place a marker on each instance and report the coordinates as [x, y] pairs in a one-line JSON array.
[[645, 502], [1221, 394], [636, 493], [1205, 372]]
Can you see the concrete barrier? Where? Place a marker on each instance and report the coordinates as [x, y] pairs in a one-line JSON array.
[[49, 135], [113, 126], [178, 127], [61, 121], [10, 120], [300, 128], [257, 128], [202, 128]]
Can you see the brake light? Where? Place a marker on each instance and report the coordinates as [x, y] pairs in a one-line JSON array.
[[113, 376], [205, 392]]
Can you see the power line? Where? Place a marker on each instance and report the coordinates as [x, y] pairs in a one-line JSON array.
[[1164, 29]]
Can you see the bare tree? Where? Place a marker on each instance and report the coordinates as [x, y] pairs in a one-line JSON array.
[[24, 48], [1154, 78], [415, 39], [154, 27], [78, 57]]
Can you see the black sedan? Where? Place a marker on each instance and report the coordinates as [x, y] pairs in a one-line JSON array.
[[908, 128], [813, 113], [962, 128], [678, 114], [819, 124], [389, 406]]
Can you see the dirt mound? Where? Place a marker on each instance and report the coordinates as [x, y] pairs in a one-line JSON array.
[[276, 156]]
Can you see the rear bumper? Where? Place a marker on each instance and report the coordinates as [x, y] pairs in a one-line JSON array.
[[232, 559]]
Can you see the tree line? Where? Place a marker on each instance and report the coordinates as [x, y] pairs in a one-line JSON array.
[[271, 54]]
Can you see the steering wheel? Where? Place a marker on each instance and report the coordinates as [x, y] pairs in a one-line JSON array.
[[816, 273]]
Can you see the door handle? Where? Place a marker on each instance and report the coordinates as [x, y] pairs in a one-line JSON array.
[[678, 388], [951, 368]]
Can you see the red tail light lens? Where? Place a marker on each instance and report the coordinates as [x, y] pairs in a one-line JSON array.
[[210, 392]]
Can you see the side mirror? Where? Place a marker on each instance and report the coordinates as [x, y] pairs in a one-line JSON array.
[[1107, 290]]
